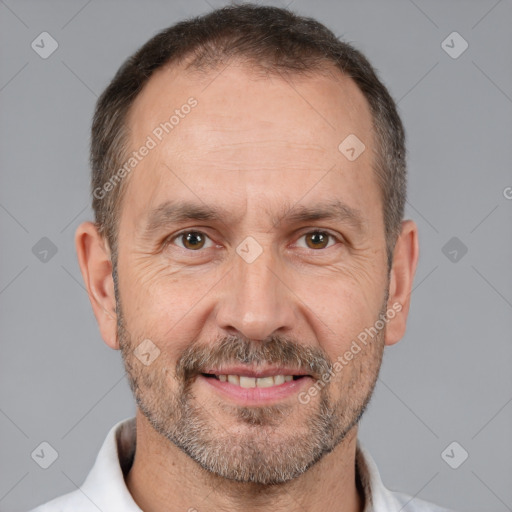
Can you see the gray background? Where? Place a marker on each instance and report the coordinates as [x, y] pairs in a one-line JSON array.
[[448, 380]]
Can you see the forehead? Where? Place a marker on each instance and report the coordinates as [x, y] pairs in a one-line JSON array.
[[247, 132], [243, 101]]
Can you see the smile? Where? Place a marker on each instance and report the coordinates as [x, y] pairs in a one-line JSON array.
[[253, 387], [254, 382]]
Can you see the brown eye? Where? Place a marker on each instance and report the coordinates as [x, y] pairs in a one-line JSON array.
[[317, 239], [192, 240]]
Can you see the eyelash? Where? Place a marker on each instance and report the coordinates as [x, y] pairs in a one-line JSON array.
[[171, 239]]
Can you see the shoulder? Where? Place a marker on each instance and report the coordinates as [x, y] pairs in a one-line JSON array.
[[411, 504], [74, 501], [104, 485], [381, 499]]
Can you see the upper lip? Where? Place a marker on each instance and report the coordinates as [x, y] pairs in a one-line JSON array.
[[254, 372]]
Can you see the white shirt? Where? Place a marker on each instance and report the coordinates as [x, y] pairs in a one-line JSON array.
[[104, 488]]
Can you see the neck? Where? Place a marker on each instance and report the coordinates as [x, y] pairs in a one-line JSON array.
[[165, 479]]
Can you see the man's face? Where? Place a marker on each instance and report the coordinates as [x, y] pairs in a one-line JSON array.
[[262, 289]]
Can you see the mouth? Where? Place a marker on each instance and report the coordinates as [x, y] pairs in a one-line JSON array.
[[246, 381], [255, 386]]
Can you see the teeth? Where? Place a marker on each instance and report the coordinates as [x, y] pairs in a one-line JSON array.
[[280, 379], [253, 382], [266, 382], [234, 379], [247, 382]]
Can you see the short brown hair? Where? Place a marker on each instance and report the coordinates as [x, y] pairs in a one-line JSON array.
[[270, 38]]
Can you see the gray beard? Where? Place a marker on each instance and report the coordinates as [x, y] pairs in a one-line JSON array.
[[261, 455]]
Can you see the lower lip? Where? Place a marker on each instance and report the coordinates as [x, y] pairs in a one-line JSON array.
[[257, 396]]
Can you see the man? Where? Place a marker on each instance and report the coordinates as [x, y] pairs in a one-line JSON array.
[[250, 261]]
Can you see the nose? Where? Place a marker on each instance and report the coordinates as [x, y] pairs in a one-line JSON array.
[[256, 301]]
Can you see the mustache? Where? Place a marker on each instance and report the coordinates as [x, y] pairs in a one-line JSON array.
[[276, 350]]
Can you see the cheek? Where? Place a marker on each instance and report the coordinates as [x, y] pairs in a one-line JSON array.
[[343, 307], [343, 312], [158, 308], [160, 292]]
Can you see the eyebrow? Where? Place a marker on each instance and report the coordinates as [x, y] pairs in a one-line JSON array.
[[176, 212], [335, 210]]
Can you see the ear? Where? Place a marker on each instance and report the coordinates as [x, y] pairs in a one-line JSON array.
[[405, 259], [96, 267]]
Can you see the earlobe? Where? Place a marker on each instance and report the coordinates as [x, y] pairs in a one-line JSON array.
[[96, 267], [405, 260]]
